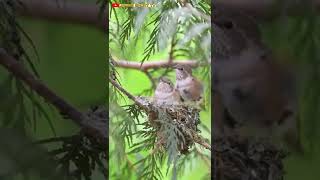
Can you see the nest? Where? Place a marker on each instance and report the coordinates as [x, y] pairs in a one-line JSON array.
[[178, 121], [183, 120], [236, 159]]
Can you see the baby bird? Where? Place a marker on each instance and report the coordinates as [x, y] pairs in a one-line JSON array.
[[165, 93], [190, 88]]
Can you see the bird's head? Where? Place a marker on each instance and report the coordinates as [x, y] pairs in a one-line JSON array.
[[182, 71], [165, 85]]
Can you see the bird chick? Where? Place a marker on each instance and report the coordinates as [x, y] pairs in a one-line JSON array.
[[190, 88], [165, 93]]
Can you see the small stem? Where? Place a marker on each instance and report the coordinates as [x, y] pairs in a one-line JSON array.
[[154, 64], [173, 43], [153, 83], [125, 92], [200, 140]]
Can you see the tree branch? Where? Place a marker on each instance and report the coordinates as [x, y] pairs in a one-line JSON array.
[[125, 92], [64, 11], [153, 64], [20, 72], [200, 140], [152, 80]]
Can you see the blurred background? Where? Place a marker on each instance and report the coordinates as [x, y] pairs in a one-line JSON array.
[[72, 63], [295, 40], [292, 30]]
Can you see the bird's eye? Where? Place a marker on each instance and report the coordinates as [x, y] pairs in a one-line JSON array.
[[180, 69]]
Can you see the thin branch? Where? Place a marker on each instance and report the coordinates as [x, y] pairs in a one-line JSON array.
[[125, 92], [154, 64], [64, 11], [203, 143], [173, 43], [200, 140], [20, 72], [153, 83]]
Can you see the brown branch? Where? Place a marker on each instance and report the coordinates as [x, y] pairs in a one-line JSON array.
[[20, 72], [153, 64], [200, 140], [125, 92], [152, 80], [64, 11], [203, 143]]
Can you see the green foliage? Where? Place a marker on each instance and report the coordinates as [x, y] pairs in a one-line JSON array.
[[167, 20], [17, 96], [78, 157], [71, 157]]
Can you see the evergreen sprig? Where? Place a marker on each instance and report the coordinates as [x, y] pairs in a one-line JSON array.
[[18, 96]]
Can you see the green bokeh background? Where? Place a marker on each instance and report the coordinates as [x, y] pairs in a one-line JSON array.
[[282, 35], [73, 65]]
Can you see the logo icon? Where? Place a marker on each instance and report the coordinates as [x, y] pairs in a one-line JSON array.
[[115, 5]]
